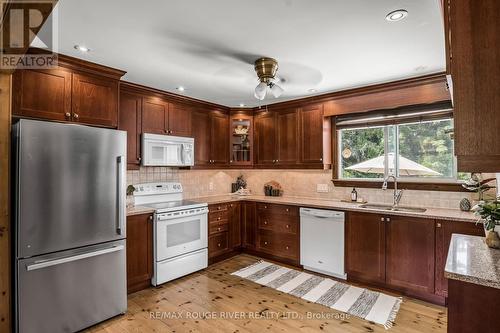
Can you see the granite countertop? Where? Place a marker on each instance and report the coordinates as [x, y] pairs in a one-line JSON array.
[[471, 260], [434, 213]]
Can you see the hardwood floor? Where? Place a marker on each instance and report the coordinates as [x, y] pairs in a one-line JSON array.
[[198, 302]]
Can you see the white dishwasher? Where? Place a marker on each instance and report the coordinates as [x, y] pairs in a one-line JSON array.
[[322, 241]]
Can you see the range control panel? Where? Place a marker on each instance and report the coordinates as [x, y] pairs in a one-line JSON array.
[[157, 188]]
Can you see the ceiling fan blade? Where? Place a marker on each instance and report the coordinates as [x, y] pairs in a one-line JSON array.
[[298, 75]]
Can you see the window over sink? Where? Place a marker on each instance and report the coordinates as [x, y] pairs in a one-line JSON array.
[[414, 147]]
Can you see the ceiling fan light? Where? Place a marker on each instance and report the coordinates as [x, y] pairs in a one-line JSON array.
[[276, 90], [260, 91]]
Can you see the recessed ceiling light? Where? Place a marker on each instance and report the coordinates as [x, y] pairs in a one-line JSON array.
[[242, 105], [312, 90], [82, 48], [396, 15], [180, 88]]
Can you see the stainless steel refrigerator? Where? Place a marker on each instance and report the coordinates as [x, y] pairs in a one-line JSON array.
[[69, 209]]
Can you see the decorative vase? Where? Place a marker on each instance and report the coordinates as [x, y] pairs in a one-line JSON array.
[[492, 238], [130, 201], [465, 205]]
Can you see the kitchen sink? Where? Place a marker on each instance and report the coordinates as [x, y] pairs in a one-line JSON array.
[[394, 209]]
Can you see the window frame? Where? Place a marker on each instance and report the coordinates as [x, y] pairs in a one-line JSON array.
[[436, 184]]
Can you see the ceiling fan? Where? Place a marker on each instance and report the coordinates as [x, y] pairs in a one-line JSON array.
[[266, 69]]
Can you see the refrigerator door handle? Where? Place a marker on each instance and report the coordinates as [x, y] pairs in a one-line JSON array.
[[48, 263], [120, 196]]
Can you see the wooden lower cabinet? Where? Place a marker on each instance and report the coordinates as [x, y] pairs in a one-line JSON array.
[[365, 247], [139, 252], [248, 225], [278, 231], [224, 230], [444, 230], [410, 254], [402, 253]]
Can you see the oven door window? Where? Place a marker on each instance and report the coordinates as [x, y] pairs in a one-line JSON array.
[[180, 236], [183, 232]]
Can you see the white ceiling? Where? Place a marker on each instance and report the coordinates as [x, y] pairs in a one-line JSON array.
[[207, 46]]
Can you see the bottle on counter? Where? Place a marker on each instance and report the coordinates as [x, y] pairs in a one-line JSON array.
[[354, 195]]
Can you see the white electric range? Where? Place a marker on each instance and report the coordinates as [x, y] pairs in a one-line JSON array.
[[180, 230]]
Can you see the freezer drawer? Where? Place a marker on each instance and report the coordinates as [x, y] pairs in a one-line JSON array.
[[71, 290]]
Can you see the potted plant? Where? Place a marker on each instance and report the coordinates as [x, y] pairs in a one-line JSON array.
[[489, 213], [478, 185]]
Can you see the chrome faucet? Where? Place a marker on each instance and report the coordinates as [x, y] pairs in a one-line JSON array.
[[398, 194]]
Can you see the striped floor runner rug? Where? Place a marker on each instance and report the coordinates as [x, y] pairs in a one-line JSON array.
[[369, 305]]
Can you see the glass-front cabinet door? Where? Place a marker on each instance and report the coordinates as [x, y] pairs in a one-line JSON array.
[[241, 138]]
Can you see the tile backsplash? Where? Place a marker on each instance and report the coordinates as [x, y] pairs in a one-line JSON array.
[[302, 183]]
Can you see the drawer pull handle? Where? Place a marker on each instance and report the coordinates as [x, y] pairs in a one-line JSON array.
[[218, 219], [218, 229]]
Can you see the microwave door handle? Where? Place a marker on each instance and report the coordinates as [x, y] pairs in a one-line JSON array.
[[182, 157]]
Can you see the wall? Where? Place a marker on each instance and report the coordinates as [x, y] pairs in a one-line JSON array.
[[302, 183]]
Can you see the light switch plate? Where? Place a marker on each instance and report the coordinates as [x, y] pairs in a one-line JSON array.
[[322, 188]]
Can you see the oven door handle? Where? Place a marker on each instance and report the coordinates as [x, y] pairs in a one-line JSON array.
[[172, 215]]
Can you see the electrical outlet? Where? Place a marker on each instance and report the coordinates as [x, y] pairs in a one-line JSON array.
[[321, 187], [211, 186]]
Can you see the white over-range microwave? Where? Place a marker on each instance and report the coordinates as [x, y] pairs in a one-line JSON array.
[[167, 150]]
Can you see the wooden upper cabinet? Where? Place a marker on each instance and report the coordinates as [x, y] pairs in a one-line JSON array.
[[287, 133], [179, 119], [365, 247], [200, 120], [475, 73], [265, 138], [410, 254], [219, 127], [315, 135], [95, 100], [76, 91], [154, 115], [444, 229], [129, 119], [44, 94]]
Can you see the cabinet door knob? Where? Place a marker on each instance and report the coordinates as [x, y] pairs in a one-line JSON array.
[[287, 209], [388, 219], [165, 131], [265, 243], [218, 229], [151, 217], [382, 219], [75, 115], [265, 222], [218, 219], [265, 207], [67, 115], [287, 226], [286, 247], [218, 245], [438, 225], [321, 160]]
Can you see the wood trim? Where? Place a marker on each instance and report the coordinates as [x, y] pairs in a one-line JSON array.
[[416, 85], [5, 218], [76, 64], [144, 90], [449, 187]]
